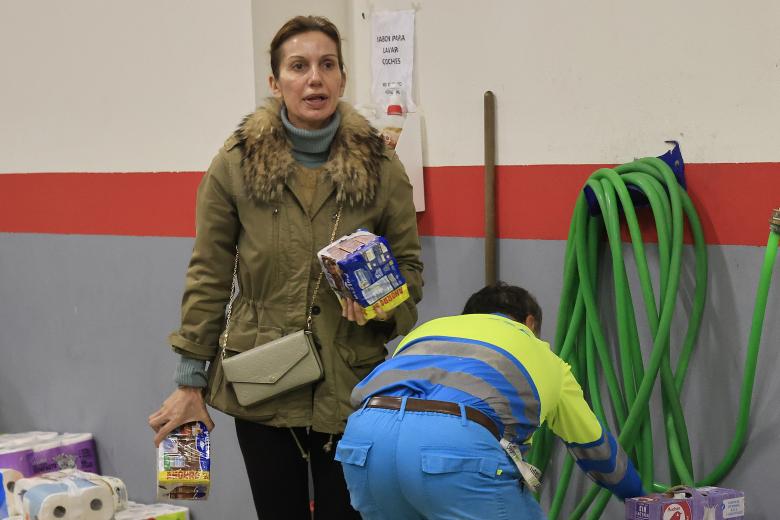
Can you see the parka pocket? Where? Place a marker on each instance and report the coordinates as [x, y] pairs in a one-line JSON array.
[[360, 347]]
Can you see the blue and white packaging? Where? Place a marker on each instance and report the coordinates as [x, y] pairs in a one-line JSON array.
[[68, 499], [116, 486], [361, 266]]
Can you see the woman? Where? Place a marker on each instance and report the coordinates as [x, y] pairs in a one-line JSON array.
[[293, 169]]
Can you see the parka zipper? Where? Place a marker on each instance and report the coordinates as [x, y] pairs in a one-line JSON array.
[[275, 249]]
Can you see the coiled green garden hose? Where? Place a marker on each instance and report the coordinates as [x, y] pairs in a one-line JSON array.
[[580, 338]]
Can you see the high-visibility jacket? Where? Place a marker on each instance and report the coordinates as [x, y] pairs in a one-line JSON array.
[[498, 366]]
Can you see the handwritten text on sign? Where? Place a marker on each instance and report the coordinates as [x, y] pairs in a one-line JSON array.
[[392, 59]]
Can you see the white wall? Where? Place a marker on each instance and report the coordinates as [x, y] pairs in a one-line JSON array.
[[117, 86], [594, 82], [268, 17], [106, 85]]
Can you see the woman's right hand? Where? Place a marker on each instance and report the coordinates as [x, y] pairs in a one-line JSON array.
[[184, 405], [352, 311]]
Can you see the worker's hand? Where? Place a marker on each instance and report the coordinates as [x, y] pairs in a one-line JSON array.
[[351, 310], [184, 405]]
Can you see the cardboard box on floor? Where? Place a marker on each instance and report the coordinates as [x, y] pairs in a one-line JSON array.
[[686, 503]]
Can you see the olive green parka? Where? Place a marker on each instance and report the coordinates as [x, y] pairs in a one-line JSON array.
[[249, 198]]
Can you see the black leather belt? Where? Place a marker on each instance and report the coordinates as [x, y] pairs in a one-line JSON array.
[[427, 405]]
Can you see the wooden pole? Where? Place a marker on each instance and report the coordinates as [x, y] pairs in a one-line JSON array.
[[490, 188]]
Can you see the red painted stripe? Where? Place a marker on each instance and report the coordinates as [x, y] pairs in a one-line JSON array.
[[734, 201], [134, 204]]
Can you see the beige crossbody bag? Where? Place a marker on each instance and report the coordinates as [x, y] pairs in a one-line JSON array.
[[276, 367]]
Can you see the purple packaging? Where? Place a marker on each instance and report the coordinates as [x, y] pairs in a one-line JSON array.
[[19, 458], [44, 456], [67, 451], [79, 451], [686, 503], [727, 503]]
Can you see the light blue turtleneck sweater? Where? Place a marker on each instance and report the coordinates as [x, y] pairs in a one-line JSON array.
[[309, 148]]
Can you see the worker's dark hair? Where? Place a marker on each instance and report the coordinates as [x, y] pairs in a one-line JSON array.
[[515, 302]]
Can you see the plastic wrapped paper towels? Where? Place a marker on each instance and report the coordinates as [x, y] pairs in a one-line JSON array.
[[70, 494], [116, 486], [9, 477], [69, 499]]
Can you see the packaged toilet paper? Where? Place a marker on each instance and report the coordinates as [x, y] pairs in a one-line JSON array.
[[19, 458], [687, 503], [153, 512], [184, 463], [78, 450], [361, 266], [45, 455], [34, 453], [116, 486], [69, 499], [9, 478]]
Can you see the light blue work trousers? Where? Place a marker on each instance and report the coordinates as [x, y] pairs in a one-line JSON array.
[[402, 465]]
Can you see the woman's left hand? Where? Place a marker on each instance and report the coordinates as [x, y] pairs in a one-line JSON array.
[[352, 311]]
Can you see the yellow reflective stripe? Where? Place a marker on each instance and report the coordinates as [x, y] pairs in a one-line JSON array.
[[616, 475]]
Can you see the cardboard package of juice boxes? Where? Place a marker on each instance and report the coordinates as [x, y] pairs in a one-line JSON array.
[[687, 503]]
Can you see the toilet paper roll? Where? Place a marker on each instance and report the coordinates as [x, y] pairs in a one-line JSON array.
[[19, 458], [118, 491], [22, 486], [70, 499], [10, 441], [26, 437], [81, 450], [42, 436], [9, 478], [115, 486]]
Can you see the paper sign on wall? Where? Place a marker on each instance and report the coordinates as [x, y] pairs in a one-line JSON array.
[[392, 57]]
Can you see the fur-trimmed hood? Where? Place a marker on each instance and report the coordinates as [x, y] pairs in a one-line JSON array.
[[354, 163]]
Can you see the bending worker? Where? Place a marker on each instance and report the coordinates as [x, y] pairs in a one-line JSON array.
[[438, 421]]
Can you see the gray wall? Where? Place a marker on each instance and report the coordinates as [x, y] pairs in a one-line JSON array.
[[83, 321]]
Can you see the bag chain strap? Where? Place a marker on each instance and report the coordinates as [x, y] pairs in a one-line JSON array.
[[234, 290]]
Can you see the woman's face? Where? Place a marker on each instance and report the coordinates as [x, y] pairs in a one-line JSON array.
[[310, 81]]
